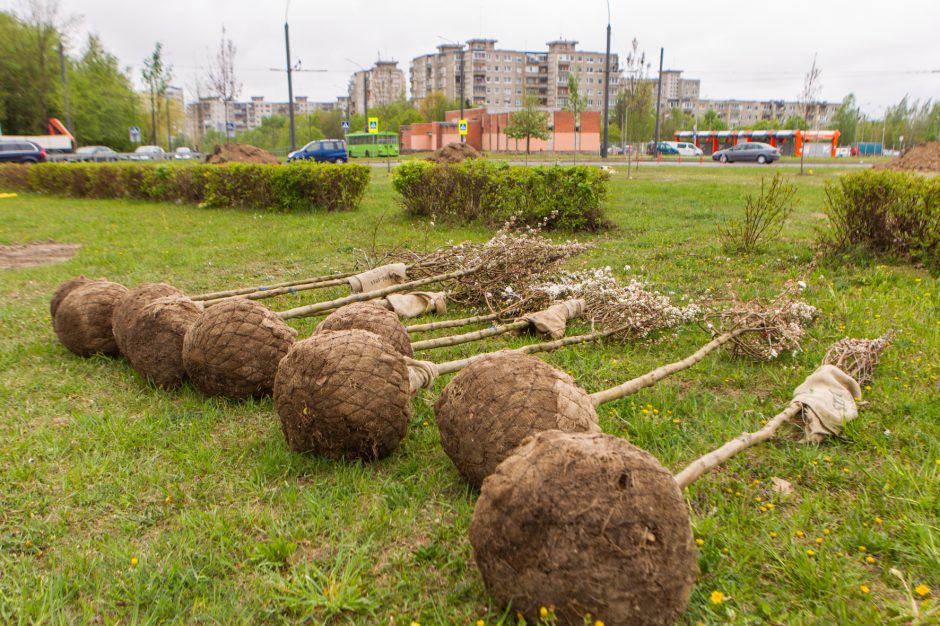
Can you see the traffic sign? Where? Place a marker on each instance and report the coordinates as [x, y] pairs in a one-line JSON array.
[[345, 124], [462, 127], [230, 129], [135, 134], [373, 124]]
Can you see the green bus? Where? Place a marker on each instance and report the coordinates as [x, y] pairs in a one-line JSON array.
[[372, 144]]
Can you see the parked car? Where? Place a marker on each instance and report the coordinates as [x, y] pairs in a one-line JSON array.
[[617, 149], [322, 151], [21, 152], [148, 153], [663, 147], [184, 154], [750, 151], [686, 149], [95, 154]]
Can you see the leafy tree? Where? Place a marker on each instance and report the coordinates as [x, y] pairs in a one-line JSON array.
[[676, 120], [157, 75], [846, 120], [528, 123], [712, 121], [796, 122], [635, 105], [105, 104], [766, 125], [433, 106]]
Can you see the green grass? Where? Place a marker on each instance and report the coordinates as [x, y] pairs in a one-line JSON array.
[[228, 526]]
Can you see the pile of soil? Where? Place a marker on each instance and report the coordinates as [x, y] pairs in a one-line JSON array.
[[922, 158], [37, 253], [454, 153], [239, 153]]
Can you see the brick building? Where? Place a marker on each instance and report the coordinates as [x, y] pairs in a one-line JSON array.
[[486, 133]]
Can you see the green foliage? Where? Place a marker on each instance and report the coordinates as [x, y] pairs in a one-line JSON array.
[[528, 123], [712, 121], [494, 192], [845, 120], [676, 120], [796, 122], [893, 215], [433, 106], [764, 217], [294, 187]]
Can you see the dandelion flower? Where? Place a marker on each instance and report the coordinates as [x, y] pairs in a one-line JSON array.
[[598, 623], [773, 535], [799, 533], [862, 548], [134, 562], [819, 540], [826, 531], [810, 553], [864, 589], [700, 542], [480, 622], [922, 590], [543, 612], [717, 597], [870, 560], [878, 520]]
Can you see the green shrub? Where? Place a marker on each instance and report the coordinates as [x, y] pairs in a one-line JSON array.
[[494, 191], [764, 216], [887, 214], [295, 187]]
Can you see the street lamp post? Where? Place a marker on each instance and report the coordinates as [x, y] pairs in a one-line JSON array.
[[290, 83], [463, 76], [606, 86]]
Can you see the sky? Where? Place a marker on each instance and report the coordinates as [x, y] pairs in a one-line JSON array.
[[739, 49]]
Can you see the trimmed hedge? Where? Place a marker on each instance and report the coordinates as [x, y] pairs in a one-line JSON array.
[[895, 215], [494, 191], [294, 187]]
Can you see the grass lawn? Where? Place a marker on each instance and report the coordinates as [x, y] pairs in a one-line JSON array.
[[120, 502]]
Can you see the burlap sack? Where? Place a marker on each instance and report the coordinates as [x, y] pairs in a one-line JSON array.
[[421, 374], [827, 397], [552, 321], [378, 278], [408, 305]]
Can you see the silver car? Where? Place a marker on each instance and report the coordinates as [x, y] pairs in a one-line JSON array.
[[752, 151]]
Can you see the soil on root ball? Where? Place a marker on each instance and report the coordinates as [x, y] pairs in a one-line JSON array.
[[132, 303], [373, 318], [83, 318], [154, 339]]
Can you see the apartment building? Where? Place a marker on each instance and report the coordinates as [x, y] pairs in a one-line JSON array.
[[501, 80], [745, 113], [211, 113], [677, 92], [386, 84]]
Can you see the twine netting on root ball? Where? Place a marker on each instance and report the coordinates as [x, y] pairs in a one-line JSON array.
[[588, 524], [480, 424], [65, 289], [153, 339], [83, 318], [343, 394], [371, 317], [513, 260], [499, 400], [132, 303], [233, 349]]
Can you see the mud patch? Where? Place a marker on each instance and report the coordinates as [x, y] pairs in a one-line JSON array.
[[35, 254]]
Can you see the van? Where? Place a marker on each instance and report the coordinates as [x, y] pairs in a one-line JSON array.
[[321, 151]]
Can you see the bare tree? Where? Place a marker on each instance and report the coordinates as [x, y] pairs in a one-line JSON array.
[[810, 94], [157, 74], [222, 82]]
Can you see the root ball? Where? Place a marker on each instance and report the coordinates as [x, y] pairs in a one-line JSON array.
[[234, 347], [343, 394], [132, 303], [497, 401], [153, 339], [586, 523], [373, 318], [63, 290], [83, 318]]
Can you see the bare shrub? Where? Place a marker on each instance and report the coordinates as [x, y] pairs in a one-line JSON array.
[[764, 216]]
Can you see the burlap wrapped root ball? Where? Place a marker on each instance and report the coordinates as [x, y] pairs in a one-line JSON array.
[[132, 303], [65, 289], [373, 318], [586, 523], [497, 401], [83, 318], [234, 347], [343, 394], [153, 339]]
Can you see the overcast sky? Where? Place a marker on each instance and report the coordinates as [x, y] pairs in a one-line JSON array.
[[739, 49]]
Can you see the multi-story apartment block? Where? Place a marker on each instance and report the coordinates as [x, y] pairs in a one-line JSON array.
[[211, 113], [386, 84], [745, 113], [501, 80], [678, 92]]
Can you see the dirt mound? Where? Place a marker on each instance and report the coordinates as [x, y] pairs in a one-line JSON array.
[[497, 401], [234, 347], [239, 153], [153, 339], [343, 394], [454, 153], [35, 254], [373, 318], [922, 158], [131, 304], [83, 318], [586, 523]]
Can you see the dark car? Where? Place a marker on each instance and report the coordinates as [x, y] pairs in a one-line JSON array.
[[21, 152], [752, 151], [663, 147], [321, 151]]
